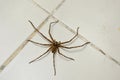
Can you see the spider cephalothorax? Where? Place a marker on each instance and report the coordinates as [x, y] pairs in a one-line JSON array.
[[53, 45]]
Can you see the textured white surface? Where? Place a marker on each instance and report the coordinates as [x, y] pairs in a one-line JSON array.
[[98, 21]]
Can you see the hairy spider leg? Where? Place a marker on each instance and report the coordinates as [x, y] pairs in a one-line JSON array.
[[50, 29], [40, 56], [38, 43], [65, 56], [39, 31], [76, 46], [71, 38], [54, 64]]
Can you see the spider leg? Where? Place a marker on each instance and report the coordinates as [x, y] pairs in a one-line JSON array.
[[71, 38], [38, 43], [39, 56], [39, 31], [50, 29], [54, 64], [64, 55], [76, 46]]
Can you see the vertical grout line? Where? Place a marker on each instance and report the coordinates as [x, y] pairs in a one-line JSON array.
[[17, 51], [82, 37]]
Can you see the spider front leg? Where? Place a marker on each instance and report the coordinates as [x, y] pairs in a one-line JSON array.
[[71, 38], [39, 32], [37, 43], [50, 29], [76, 46]]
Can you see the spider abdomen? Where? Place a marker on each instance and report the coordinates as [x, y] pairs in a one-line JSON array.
[[54, 49]]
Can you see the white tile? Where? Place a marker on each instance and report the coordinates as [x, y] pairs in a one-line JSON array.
[[98, 21]]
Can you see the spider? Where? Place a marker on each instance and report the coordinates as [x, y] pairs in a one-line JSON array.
[[54, 46]]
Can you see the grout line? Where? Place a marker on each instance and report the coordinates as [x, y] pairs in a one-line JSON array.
[[17, 51], [81, 37]]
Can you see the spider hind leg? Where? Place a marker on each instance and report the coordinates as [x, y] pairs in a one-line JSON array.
[[40, 56], [65, 55]]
